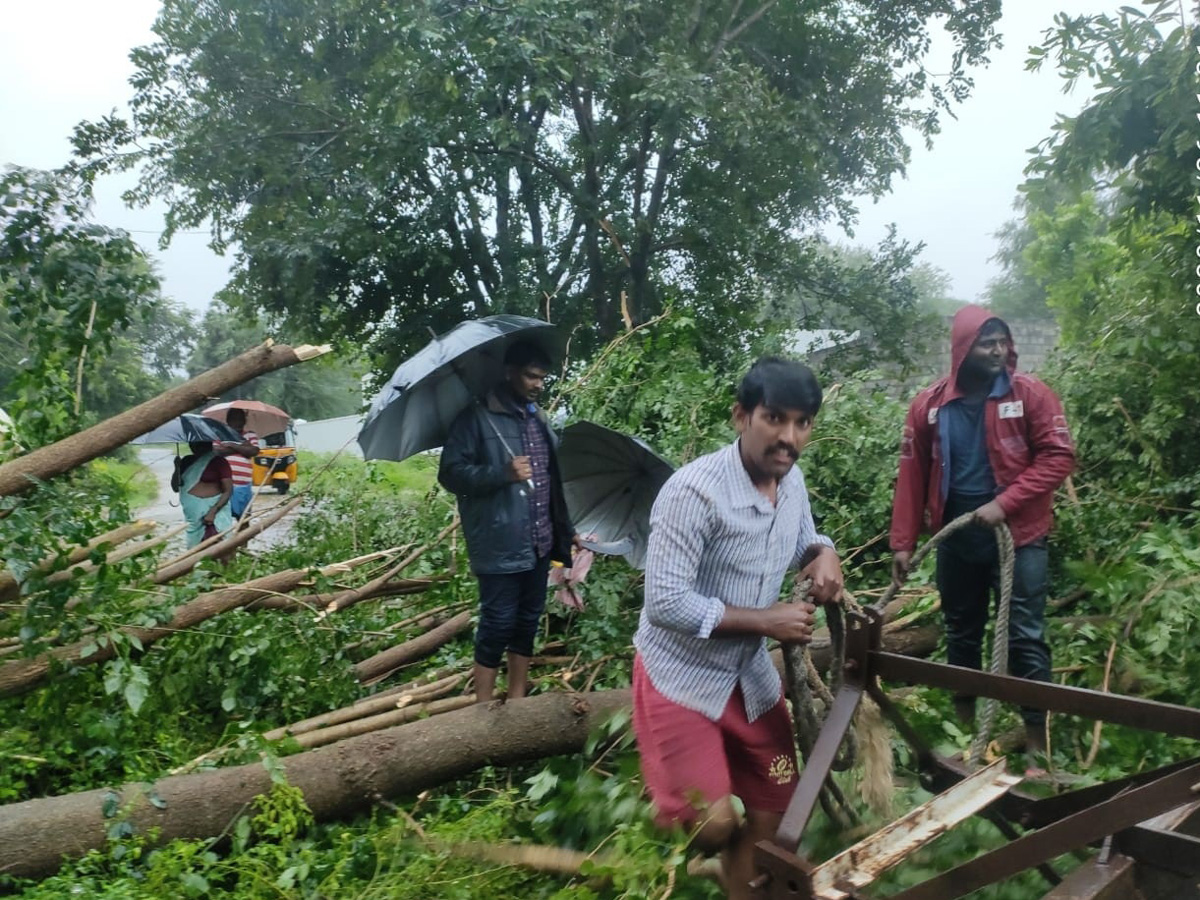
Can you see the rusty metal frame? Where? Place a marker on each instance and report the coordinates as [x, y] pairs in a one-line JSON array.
[[1115, 812]]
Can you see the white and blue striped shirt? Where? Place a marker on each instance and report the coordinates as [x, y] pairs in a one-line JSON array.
[[716, 541]]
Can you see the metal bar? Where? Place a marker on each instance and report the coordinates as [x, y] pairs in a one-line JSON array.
[[1179, 853], [1096, 881], [1130, 808], [818, 767], [783, 875], [993, 815], [861, 864], [1146, 714], [1050, 809]]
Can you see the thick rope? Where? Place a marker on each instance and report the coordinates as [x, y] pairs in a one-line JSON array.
[[804, 683], [805, 686], [998, 664]]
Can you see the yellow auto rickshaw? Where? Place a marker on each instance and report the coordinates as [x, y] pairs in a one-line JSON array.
[[275, 461]]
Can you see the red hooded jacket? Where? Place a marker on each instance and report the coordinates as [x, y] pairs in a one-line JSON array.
[[1028, 445]]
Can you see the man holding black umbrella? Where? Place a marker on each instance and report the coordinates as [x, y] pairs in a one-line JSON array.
[[499, 459]]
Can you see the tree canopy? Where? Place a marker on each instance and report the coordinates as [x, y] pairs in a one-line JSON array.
[[387, 168], [74, 293]]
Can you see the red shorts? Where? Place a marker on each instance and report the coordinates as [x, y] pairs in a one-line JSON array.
[[689, 761]]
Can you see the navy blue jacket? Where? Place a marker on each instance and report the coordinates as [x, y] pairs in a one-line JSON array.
[[495, 510]]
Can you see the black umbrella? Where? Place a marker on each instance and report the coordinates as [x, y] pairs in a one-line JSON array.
[[611, 480], [188, 428], [414, 410]]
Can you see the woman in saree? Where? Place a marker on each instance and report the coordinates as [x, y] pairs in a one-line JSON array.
[[205, 484]]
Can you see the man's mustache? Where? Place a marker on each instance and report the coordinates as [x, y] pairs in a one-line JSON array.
[[788, 449]]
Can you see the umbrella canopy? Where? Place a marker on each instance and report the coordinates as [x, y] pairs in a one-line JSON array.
[[414, 410], [610, 480], [261, 418], [188, 428]]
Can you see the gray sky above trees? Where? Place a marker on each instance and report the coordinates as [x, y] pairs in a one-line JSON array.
[[62, 61]]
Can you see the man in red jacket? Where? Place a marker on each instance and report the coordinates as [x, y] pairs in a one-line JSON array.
[[989, 439]]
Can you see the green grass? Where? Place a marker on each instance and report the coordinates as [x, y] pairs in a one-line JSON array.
[[414, 476], [141, 487]]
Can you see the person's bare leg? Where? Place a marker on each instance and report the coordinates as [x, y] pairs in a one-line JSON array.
[[485, 684], [518, 675], [714, 832], [739, 858]]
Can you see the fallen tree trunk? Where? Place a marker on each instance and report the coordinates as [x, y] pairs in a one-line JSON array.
[[10, 586], [46, 462], [389, 630], [410, 651], [19, 676], [416, 684], [337, 781]]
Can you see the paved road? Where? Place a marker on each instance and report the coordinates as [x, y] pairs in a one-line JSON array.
[[165, 507]]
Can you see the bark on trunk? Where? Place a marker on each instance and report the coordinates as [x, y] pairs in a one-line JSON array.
[[337, 781], [410, 651], [54, 459]]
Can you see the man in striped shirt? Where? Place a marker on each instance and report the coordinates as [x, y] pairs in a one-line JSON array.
[[709, 713], [240, 458]]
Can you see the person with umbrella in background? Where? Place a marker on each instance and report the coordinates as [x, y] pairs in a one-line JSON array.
[[499, 460], [239, 456], [203, 479], [205, 485]]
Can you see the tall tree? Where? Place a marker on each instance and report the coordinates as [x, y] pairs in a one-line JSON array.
[[69, 287], [1112, 241], [386, 167]]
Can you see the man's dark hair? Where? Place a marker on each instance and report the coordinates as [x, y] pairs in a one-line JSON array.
[[235, 413], [992, 325], [526, 353], [782, 384]]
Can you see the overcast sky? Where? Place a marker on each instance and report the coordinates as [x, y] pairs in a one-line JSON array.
[[62, 61]]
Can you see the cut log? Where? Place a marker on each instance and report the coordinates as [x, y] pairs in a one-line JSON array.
[[538, 857], [410, 651], [337, 781], [19, 676], [46, 462]]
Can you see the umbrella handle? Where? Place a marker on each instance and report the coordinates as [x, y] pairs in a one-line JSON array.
[[507, 449]]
